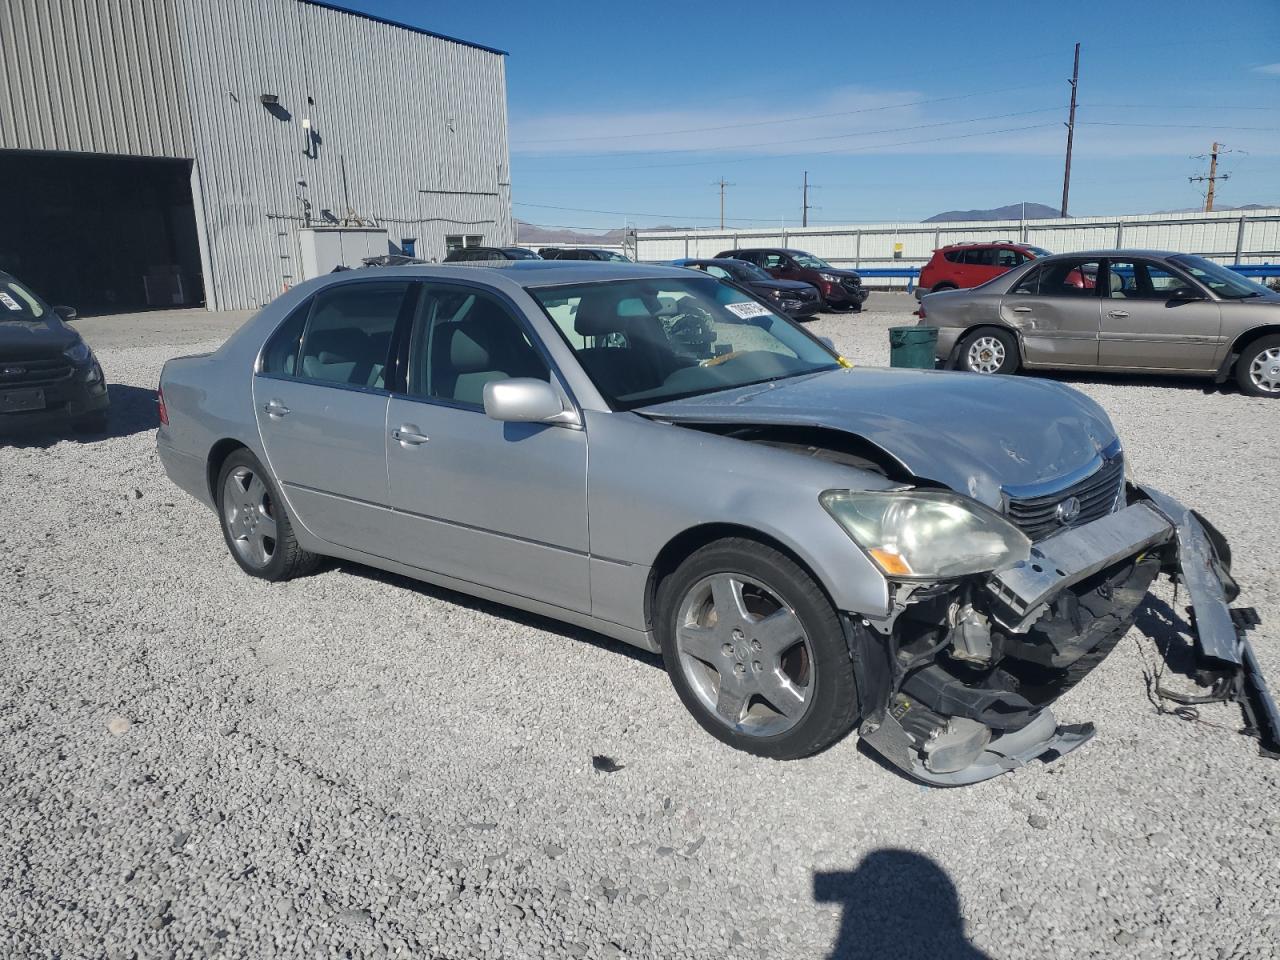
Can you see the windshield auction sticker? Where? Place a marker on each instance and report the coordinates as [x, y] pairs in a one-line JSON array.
[[9, 302], [747, 310]]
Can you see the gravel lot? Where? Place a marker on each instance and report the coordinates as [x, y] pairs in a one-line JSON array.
[[198, 763]]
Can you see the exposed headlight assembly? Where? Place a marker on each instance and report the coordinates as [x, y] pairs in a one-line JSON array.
[[925, 534], [78, 353], [829, 277]]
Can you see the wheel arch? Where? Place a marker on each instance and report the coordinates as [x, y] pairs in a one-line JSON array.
[[953, 360], [218, 454], [687, 542], [1240, 344]]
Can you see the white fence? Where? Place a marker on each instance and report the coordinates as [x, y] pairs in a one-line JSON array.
[[1229, 236]]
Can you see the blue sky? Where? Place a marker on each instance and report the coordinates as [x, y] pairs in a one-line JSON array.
[[630, 111]]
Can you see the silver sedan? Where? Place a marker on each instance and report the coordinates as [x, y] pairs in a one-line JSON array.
[[1132, 311], [661, 457]]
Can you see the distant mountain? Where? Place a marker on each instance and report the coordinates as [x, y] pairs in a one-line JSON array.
[[1245, 206], [1034, 211], [530, 234]]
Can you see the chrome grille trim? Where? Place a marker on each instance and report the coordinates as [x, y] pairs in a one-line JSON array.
[[1098, 492]]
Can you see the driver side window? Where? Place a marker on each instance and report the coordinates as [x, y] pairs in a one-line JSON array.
[[774, 261]]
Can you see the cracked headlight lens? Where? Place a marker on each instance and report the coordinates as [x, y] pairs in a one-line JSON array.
[[926, 534], [78, 353]]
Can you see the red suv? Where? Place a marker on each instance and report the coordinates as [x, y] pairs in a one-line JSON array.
[[964, 265]]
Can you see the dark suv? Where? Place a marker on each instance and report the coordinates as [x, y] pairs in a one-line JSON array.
[[464, 254], [796, 299], [47, 371], [582, 253], [964, 265], [841, 289]]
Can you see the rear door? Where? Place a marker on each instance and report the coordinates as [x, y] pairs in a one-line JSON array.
[[503, 505], [321, 402], [1155, 318], [1057, 310]]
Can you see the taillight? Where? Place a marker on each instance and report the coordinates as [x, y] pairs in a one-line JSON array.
[[164, 414]]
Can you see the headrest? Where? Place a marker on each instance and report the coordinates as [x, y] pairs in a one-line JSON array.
[[599, 314], [337, 346], [1117, 282], [466, 355]]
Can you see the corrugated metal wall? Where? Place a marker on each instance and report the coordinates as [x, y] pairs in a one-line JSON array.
[[92, 76], [404, 112], [1253, 234]]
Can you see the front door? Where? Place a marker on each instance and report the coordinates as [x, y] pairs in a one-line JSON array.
[[321, 405], [1155, 319], [502, 505], [1056, 309]]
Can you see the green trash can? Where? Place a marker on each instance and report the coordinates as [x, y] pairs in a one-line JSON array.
[[912, 347]]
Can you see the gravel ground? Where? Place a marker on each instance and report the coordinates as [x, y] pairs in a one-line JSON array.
[[198, 763]]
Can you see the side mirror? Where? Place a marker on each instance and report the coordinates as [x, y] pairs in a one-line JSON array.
[[66, 313], [525, 400]]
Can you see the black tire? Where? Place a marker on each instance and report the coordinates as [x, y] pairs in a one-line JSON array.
[[91, 423], [1244, 366], [286, 559], [939, 287], [1010, 361], [831, 703]]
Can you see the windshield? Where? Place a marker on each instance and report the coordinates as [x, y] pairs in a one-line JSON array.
[[645, 341], [520, 253], [1223, 281], [810, 261], [1038, 251], [19, 303], [612, 257], [742, 270]]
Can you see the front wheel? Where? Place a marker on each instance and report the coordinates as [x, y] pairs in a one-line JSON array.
[[989, 350], [1258, 369], [756, 651], [255, 523]]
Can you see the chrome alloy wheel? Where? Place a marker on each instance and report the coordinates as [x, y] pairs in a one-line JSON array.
[[1264, 371], [986, 355], [247, 511], [745, 654]]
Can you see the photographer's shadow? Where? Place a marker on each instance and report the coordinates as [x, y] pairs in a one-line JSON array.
[[896, 904]]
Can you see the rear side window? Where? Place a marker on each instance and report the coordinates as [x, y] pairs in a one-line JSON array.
[[348, 335], [1065, 278], [281, 354], [954, 256]]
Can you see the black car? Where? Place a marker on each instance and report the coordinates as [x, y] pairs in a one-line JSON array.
[[48, 374], [793, 297], [582, 253], [464, 254], [841, 289]]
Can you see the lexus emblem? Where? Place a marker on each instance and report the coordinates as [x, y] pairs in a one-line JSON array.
[[12, 371], [1068, 510]]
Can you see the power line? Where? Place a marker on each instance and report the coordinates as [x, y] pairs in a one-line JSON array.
[[795, 119], [814, 153], [774, 143], [1174, 126]]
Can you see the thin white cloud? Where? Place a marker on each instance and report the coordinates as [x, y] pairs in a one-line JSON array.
[[1268, 70]]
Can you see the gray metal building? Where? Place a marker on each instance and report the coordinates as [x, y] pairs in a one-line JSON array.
[[157, 152]]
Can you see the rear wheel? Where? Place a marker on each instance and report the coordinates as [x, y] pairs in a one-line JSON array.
[[939, 287], [756, 651], [1258, 369], [256, 524], [989, 350]]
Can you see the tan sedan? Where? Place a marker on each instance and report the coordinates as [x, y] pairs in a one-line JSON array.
[[1132, 311]]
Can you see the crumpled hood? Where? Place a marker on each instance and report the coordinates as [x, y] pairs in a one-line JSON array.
[[25, 339], [973, 433]]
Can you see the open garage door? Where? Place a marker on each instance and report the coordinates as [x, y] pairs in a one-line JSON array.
[[100, 233]]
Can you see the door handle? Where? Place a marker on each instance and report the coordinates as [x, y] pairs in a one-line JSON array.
[[409, 436], [1117, 314], [1021, 309], [275, 409]]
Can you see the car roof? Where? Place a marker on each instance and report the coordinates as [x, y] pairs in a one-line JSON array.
[[1113, 254], [535, 273], [985, 243], [766, 250]]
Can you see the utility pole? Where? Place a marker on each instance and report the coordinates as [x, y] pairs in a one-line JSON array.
[[1071, 131], [722, 183], [804, 203], [1213, 176]]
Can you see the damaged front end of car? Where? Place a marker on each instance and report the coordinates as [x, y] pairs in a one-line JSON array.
[[957, 682]]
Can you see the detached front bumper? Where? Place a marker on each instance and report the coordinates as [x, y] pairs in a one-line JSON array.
[[962, 682]]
